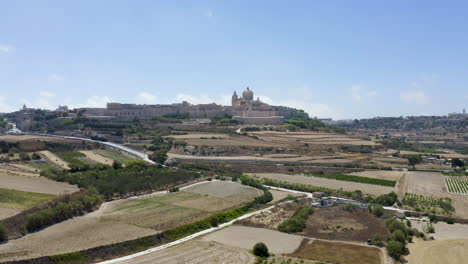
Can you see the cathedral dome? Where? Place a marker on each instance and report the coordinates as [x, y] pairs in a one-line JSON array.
[[247, 94]]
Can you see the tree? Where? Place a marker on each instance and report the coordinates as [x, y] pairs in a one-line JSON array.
[[3, 233], [23, 156], [378, 210], [456, 162], [399, 236], [36, 156], [261, 250], [378, 240], [116, 164], [394, 249]]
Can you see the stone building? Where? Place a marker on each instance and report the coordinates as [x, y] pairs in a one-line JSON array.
[[244, 109]]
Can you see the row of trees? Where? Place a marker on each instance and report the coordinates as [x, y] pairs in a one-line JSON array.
[[297, 222]]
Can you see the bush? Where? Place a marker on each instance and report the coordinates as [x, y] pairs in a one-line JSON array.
[[450, 221], [399, 236], [378, 240], [395, 249], [3, 233], [297, 222], [261, 250], [387, 199], [36, 156], [378, 210]]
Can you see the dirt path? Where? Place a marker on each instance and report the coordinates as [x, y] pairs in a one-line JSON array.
[[52, 157], [96, 157], [438, 251]]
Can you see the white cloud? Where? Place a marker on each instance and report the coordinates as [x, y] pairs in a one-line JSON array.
[[416, 96], [6, 48], [42, 101], [4, 106], [146, 98], [56, 77], [358, 93]]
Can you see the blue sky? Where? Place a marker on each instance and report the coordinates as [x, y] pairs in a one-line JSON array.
[[340, 59]]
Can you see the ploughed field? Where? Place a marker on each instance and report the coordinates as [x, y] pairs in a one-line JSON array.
[[130, 218], [311, 138]]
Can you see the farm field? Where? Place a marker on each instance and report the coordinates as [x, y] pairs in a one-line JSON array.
[[352, 178], [246, 237], [196, 252], [313, 138], [329, 183], [11, 178], [113, 155], [336, 223], [435, 205], [339, 252], [13, 202], [126, 219], [380, 174], [271, 219], [91, 155], [454, 251], [457, 185], [55, 159], [444, 231], [197, 139]]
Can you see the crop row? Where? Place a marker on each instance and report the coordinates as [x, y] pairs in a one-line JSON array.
[[457, 185], [427, 202]]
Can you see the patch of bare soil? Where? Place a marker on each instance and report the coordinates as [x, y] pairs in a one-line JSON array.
[[272, 218], [438, 251], [196, 252], [55, 159], [280, 195], [246, 237], [336, 223], [96, 157], [338, 252], [225, 189]]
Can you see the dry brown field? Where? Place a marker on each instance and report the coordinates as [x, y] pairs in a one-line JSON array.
[[55, 159], [96, 157], [272, 218], [226, 190], [312, 138], [196, 252], [454, 251], [126, 219], [339, 252], [197, 139], [380, 174], [336, 223], [13, 178], [329, 183], [246, 237]]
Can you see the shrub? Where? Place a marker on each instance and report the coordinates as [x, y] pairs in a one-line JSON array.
[[450, 221], [395, 249], [36, 156], [3, 233], [297, 222], [399, 236], [378, 210], [261, 250], [378, 240]]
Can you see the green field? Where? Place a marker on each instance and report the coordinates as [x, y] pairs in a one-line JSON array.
[[457, 185], [352, 178], [22, 200], [47, 165], [75, 159]]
